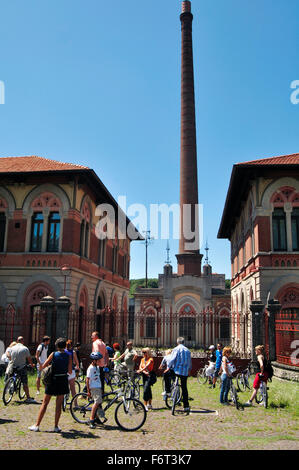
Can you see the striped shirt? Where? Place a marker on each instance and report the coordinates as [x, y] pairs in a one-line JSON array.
[[180, 360]]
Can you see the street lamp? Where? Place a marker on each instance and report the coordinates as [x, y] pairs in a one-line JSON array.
[[65, 270]]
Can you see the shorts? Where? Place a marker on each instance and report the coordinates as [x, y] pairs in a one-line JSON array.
[[96, 395], [72, 376], [23, 375], [216, 374], [39, 372], [58, 386], [258, 380]]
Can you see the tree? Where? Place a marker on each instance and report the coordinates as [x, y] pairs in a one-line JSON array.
[[134, 283]]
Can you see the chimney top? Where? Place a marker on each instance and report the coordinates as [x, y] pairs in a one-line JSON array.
[[186, 6]]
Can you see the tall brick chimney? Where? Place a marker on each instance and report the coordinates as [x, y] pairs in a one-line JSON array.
[[189, 257]]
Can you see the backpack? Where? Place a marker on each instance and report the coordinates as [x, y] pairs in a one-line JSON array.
[[269, 369], [47, 375]]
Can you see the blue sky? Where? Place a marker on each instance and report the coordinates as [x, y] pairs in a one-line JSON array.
[[98, 83]]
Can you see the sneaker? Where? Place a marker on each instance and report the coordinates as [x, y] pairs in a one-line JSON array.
[[92, 425], [248, 403], [57, 429], [30, 400], [146, 407], [149, 407], [225, 403], [34, 428]]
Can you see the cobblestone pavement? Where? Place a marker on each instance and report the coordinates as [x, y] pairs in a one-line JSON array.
[[248, 428]]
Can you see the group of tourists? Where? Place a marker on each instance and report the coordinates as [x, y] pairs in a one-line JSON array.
[[220, 365], [65, 365]]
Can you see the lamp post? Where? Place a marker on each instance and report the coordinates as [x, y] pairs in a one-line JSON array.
[[65, 270]]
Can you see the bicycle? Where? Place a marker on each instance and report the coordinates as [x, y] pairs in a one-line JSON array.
[[232, 394], [132, 387], [13, 385], [67, 396], [262, 394], [175, 397], [243, 380], [129, 414], [202, 378]]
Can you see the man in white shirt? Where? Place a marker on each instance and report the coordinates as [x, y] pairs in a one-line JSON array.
[[41, 356], [19, 355]]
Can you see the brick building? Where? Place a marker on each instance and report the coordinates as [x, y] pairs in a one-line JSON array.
[[261, 220], [47, 221]]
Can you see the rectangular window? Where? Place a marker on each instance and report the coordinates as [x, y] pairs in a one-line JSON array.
[[53, 232], [37, 232], [2, 230], [102, 252], [131, 322], [150, 327], [279, 230], [187, 328], [86, 245], [295, 229]]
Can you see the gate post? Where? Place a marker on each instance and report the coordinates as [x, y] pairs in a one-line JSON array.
[[62, 316], [273, 308], [257, 309]]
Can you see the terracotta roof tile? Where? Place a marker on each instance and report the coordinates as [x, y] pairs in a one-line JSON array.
[[34, 163], [280, 160]]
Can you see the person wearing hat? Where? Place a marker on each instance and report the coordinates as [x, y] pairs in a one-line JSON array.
[[94, 387]]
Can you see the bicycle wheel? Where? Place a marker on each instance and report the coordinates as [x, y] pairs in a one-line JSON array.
[[81, 412], [65, 401], [77, 386], [259, 396], [9, 390], [265, 394], [201, 376], [130, 414], [169, 399], [21, 391], [241, 382], [234, 396], [175, 398], [115, 381]]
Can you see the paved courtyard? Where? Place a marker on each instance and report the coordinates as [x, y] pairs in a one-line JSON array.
[[247, 428]]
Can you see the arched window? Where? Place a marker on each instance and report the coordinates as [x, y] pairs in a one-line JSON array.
[[150, 327], [279, 230], [2, 230], [37, 231], [53, 232], [295, 229]]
